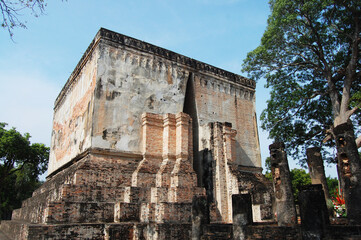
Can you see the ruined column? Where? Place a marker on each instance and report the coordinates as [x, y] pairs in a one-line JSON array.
[[317, 170], [229, 158], [182, 173], [200, 216], [313, 211], [229, 142], [152, 147], [350, 169], [223, 149], [208, 174], [169, 133], [220, 175], [183, 121], [152, 134], [169, 146], [285, 205], [242, 214]]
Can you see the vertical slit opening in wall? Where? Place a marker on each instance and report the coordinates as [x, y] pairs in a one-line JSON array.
[[190, 108]]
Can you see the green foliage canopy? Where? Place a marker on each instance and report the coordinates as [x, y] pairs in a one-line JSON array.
[[299, 178], [16, 188], [310, 57], [332, 184], [20, 165], [16, 152]]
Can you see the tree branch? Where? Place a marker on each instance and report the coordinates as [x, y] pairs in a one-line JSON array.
[[350, 72], [340, 74], [352, 111], [315, 94], [358, 141], [12, 171], [10, 10], [328, 136]]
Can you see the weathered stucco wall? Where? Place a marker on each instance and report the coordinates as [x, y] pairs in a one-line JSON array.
[[73, 112], [130, 83], [219, 100]]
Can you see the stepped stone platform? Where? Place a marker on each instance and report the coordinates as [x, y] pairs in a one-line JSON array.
[[80, 202], [96, 231]]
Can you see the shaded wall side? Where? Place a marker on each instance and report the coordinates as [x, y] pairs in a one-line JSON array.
[[71, 134], [223, 101], [130, 83]]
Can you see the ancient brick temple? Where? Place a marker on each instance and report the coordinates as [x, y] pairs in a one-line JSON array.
[[138, 132]]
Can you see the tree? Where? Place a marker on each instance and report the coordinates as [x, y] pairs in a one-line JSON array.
[[332, 184], [310, 57], [20, 165], [17, 187], [11, 11], [299, 178]]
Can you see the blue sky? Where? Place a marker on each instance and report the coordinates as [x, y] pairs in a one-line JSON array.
[[37, 64]]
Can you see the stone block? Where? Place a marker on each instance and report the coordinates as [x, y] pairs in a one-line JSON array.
[[126, 212]]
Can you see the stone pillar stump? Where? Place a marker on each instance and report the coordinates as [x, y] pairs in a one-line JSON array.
[[285, 205], [313, 211], [350, 168]]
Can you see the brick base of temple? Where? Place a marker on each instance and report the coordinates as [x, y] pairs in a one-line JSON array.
[[95, 198], [97, 230]]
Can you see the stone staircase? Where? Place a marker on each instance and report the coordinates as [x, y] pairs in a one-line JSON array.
[[217, 231]]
